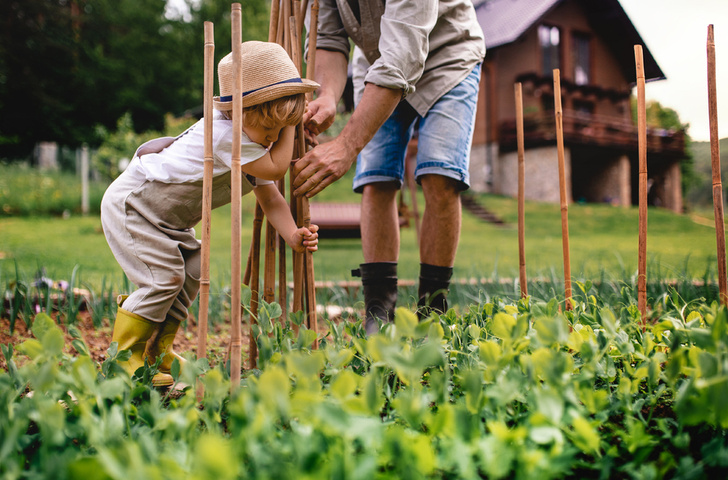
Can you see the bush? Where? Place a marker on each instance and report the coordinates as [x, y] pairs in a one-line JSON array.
[[27, 191]]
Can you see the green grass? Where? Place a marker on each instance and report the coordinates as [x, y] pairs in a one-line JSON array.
[[603, 242], [28, 191]]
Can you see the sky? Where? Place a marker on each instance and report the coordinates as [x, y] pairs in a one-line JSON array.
[[676, 33]]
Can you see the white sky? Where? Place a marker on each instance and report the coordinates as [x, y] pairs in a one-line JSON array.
[[676, 32]]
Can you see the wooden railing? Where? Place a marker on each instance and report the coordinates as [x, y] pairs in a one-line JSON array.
[[586, 129]]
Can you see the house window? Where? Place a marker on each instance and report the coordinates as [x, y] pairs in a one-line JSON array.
[[581, 59], [550, 40]]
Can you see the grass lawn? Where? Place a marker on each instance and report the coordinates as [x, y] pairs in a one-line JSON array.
[[603, 241]]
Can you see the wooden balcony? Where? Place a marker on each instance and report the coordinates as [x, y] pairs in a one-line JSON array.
[[591, 130]]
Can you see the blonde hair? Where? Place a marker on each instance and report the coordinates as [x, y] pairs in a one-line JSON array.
[[281, 111]]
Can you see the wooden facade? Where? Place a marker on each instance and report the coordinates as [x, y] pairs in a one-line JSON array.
[[591, 43]]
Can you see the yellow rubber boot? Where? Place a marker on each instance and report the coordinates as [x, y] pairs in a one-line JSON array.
[[131, 332], [162, 342]]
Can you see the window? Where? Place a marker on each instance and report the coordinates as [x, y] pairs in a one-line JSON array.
[[581, 59], [550, 40]]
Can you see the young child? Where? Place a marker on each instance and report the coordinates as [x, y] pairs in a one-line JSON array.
[[149, 211]]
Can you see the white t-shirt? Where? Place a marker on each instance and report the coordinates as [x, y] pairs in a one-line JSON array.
[[183, 160]]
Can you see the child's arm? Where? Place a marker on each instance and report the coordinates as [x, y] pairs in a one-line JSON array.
[[274, 164], [279, 214]]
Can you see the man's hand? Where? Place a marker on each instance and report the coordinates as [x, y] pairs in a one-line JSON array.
[[319, 116], [321, 167]]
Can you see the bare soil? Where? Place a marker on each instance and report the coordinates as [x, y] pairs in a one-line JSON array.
[[97, 339]]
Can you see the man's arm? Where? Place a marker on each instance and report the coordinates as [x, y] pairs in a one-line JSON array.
[[331, 74], [328, 162]]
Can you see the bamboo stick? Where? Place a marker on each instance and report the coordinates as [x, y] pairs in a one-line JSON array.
[[282, 271], [312, 42], [254, 284], [521, 191], [642, 149], [269, 272], [236, 194], [305, 211], [310, 278], [715, 164], [274, 17], [252, 269], [208, 92], [562, 188]]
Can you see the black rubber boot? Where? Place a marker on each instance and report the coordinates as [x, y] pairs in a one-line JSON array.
[[379, 281], [433, 289]]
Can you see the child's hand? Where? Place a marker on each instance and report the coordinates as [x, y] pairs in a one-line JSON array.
[[305, 239]]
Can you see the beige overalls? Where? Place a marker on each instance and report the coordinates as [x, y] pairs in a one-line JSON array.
[[149, 228]]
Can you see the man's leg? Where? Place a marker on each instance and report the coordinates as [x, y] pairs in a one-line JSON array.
[[441, 227], [380, 222], [380, 245]]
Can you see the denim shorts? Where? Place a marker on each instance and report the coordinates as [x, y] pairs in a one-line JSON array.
[[445, 134]]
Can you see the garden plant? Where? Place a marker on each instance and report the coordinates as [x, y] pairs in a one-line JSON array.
[[499, 389]]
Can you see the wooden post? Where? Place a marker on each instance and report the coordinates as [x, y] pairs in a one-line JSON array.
[[562, 188], [715, 163], [84, 180], [521, 192], [236, 194], [642, 149], [209, 81], [305, 211]]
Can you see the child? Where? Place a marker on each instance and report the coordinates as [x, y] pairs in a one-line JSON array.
[[148, 212]]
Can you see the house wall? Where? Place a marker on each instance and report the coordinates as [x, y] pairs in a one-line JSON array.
[[606, 174], [542, 174]]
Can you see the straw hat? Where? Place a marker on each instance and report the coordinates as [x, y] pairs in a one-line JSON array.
[[268, 74]]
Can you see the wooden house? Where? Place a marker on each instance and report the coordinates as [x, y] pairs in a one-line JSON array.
[[591, 42]]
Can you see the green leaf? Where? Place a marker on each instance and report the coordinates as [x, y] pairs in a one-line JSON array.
[[585, 436], [175, 369], [339, 358], [490, 352], [406, 322], [502, 325]]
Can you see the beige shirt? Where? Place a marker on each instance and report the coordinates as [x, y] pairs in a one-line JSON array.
[[423, 47]]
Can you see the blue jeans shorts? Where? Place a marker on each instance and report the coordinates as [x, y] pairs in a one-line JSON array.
[[445, 134]]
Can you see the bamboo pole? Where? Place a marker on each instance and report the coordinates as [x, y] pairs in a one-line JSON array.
[[642, 149], [275, 7], [282, 271], [562, 188], [236, 194], [310, 74], [252, 270], [208, 92], [312, 42], [269, 272], [521, 191], [715, 163], [305, 210]]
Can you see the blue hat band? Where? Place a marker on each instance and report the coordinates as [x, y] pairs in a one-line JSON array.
[[229, 98]]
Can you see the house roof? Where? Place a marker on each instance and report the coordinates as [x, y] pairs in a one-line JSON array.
[[505, 21]]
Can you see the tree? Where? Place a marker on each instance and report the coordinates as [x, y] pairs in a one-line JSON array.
[[68, 66], [667, 118]]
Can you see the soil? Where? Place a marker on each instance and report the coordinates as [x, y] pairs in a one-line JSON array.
[[97, 339]]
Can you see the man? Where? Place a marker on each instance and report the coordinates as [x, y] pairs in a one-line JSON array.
[[414, 63]]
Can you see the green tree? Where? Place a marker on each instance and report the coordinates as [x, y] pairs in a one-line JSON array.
[[660, 116], [68, 66]]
